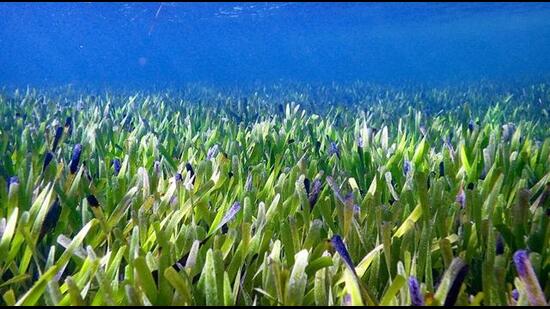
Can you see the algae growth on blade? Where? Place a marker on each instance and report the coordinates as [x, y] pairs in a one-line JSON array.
[[284, 194]]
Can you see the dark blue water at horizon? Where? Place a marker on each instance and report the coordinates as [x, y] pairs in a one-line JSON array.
[[144, 45]]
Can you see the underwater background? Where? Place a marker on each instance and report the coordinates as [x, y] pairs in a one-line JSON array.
[[144, 45], [274, 154]]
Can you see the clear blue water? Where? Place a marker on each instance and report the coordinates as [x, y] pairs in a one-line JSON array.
[[168, 44]]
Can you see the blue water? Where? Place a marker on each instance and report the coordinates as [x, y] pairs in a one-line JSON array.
[[145, 45]]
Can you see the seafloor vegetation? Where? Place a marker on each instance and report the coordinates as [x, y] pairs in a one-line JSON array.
[[287, 194]]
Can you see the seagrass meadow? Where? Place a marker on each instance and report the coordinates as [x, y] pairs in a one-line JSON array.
[[297, 194]]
